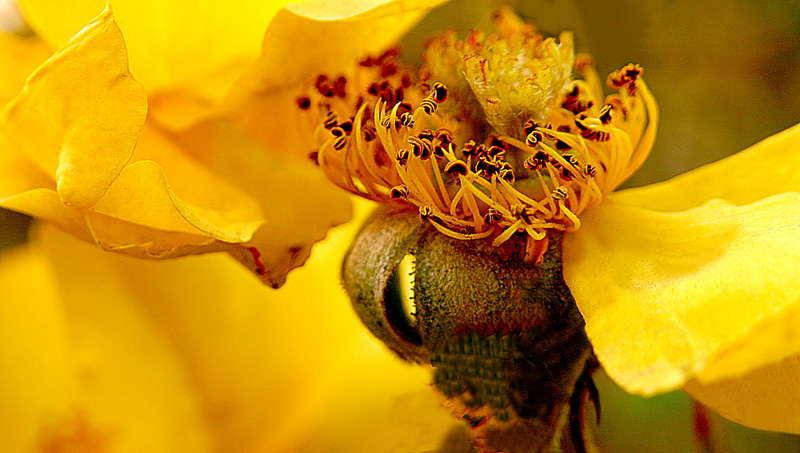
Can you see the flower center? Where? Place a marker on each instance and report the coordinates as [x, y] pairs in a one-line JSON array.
[[496, 138]]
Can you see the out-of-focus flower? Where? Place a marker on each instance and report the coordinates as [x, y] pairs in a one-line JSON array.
[[195, 355], [190, 151]]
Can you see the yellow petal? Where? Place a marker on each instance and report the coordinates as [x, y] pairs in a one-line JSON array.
[[117, 235], [19, 56], [707, 293], [322, 36], [764, 169], [300, 204], [18, 173], [80, 113], [44, 204], [110, 233], [142, 195], [56, 24], [90, 369], [306, 39], [197, 46], [766, 398]]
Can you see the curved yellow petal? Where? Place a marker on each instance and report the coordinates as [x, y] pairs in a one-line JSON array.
[[172, 43], [764, 169], [90, 370], [44, 204], [707, 293], [80, 113], [142, 195], [131, 239], [109, 233], [766, 398], [19, 56]]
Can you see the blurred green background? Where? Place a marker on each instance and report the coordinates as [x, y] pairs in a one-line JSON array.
[[726, 75]]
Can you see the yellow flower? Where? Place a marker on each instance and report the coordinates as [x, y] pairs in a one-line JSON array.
[[179, 155], [690, 282]]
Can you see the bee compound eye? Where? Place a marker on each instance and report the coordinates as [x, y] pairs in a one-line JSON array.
[[377, 274], [399, 304]]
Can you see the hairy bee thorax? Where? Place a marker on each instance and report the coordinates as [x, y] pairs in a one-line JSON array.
[[493, 136], [503, 335]]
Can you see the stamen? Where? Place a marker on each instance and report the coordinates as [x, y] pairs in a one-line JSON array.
[[407, 120], [457, 167], [559, 193], [400, 191], [439, 92], [425, 212], [429, 105], [462, 236], [330, 120], [304, 102], [576, 145], [605, 114]]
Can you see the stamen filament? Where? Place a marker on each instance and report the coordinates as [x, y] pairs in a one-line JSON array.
[[507, 233], [464, 236], [440, 182]]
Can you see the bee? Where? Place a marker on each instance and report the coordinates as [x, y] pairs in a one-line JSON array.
[[504, 336]]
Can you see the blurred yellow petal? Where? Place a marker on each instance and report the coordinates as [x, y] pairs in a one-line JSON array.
[[306, 39], [401, 415], [80, 113], [55, 23], [35, 372], [289, 370], [19, 56], [18, 173], [199, 44], [708, 293], [766, 398], [764, 169], [89, 369]]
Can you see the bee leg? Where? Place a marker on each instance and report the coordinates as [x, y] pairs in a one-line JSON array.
[[585, 391], [702, 427]]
